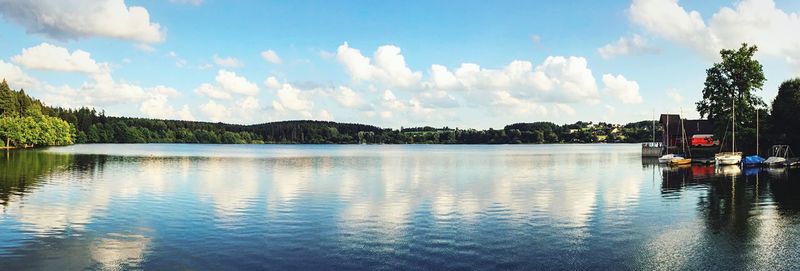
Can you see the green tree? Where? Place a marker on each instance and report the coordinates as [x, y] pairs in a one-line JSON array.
[[735, 79], [8, 101], [784, 119]]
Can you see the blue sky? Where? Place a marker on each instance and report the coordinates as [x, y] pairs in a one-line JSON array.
[[473, 64]]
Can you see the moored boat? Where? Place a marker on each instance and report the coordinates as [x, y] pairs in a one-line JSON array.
[[733, 157], [753, 161], [664, 159], [779, 156], [775, 161], [680, 161], [728, 158]]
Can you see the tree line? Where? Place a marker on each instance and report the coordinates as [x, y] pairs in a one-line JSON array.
[[23, 124], [25, 121]]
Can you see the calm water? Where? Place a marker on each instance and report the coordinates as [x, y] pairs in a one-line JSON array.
[[245, 207]]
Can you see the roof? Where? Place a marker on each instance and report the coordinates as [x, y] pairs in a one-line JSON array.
[[692, 127]]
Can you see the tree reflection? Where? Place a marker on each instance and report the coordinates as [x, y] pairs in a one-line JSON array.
[[23, 170], [737, 211]]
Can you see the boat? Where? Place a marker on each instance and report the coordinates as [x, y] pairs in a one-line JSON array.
[[679, 161], [728, 158], [753, 161], [778, 156], [682, 160], [732, 157], [775, 161], [664, 159]]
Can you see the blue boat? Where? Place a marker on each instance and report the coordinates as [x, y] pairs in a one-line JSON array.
[[752, 161]]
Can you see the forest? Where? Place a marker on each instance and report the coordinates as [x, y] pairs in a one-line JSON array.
[[26, 122], [23, 123]]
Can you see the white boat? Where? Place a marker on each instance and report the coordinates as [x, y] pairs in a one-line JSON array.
[[668, 158], [733, 157], [775, 161], [728, 158], [778, 156]]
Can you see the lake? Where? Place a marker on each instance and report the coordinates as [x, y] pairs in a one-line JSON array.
[[417, 207]]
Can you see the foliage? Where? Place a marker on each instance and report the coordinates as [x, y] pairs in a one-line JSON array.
[[22, 123], [736, 78], [786, 123], [28, 122]]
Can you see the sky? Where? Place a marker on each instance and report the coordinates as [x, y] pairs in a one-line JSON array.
[[468, 64]]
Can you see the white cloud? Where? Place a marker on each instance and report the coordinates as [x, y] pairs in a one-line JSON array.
[[565, 109], [15, 77], [249, 104], [757, 22], [156, 106], [325, 115], [165, 91], [227, 62], [272, 83], [228, 83], [215, 111], [503, 103], [437, 99], [441, 78], [271, 57], [625, 91], [671, 21], [73, 19], [388, 66], [292, 98], [557, 79], [236, 84], [635, 45], [212, 91], [348, 98], [46, 56], [245, 111], [103, 90]]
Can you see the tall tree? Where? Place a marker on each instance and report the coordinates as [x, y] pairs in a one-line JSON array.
[[735, 79], [8, 100], [785, 107]]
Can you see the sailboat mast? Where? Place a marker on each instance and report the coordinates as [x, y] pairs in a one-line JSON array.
[[684, 137], [654, 126], [756, 131], [733, 116]]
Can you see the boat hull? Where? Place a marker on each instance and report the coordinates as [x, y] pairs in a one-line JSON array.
[[775, 162], [728, 158], [680, 161], [665, 159]]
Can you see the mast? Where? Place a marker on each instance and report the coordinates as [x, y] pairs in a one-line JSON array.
[[654, 126], [733, 116], [683, 137], [666, 138], [757, 131]]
